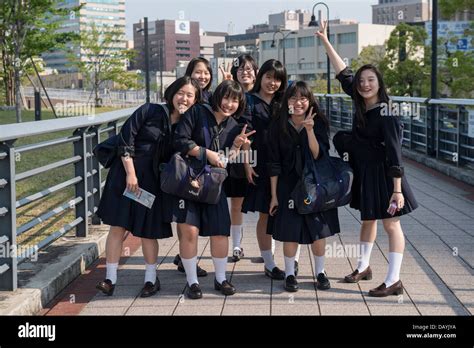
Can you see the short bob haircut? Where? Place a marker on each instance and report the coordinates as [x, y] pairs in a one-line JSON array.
[[229, 89], [192, 64], [240, 62], [176, 86], [279, 72]]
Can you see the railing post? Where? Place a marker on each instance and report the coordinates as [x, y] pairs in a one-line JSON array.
[[80, 169], [97, 177], [8, 255]]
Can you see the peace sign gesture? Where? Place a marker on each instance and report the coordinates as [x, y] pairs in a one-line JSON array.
[[226, 75], [308, 123], [242, 138], [322, 33]]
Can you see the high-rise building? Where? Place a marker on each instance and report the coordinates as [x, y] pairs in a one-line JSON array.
[[171, 40], [392, 12], [289, 20], [101, 13]]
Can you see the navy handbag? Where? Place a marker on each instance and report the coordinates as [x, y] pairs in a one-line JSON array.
[[325, 183], [201, 183]]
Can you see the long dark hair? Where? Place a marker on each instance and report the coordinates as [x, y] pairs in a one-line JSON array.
[[279, 73], [176, 86], [301, 88], [229, 89], [359, 100], [240, 62], [192, 64]]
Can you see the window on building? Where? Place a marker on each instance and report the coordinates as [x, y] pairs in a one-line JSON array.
[[290, 43], [331, 40], [346, 38], [306, 41], [267, 45]]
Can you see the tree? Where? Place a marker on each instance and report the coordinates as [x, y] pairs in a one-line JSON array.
[[448, 8], [369, 55], [404, 67], [27, 29], [97, 55]]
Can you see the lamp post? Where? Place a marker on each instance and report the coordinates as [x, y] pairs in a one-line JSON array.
[[284, 37], [434, 75], [147, 58], [314, 23]]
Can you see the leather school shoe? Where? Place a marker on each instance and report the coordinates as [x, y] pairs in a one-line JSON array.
[[149, 289], [194, 291], [291, 284], [106, 287], [323, 282], [275, 273], [382, 290], [177, 261], [296, 268], [355, 276], [237, 254], [225, 287]]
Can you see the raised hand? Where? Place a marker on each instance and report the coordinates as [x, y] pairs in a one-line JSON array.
[[243, 138], [226, 75], [308, 123], [322, 33]]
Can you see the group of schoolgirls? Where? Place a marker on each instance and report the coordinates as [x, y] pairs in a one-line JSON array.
[[255, 112]]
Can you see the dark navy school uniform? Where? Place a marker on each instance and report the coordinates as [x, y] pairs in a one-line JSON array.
[[286, 160], [258, 115], [376, 157], [206, 96], [211, 219], [144, 135]]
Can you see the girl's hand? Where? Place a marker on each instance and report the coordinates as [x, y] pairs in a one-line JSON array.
[[308, 123], [322, 33], [273, 206], [250, 173], [226, 74], [242, 138], [214, 159], [398, 199], [132, 183]]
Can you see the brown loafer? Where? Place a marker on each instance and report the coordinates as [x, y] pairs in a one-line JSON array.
[[106, 287], [149, 289], [355, 276], [383, 291]]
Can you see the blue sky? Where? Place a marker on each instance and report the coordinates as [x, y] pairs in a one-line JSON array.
[[215, 15]]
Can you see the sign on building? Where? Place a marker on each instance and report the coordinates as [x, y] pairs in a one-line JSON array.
[[182, 27]]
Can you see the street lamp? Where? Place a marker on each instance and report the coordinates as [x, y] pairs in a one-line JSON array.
[[314, 23], [284, 37], [147, 58]]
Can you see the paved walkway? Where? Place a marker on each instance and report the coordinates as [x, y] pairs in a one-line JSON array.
[[437, 270]]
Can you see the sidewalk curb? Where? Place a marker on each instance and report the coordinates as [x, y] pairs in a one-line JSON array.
[[57, 266]]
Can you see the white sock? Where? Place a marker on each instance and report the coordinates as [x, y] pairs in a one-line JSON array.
[[297, 256], [394, 265], [318, 264], [190, 269], [289, 266], [268, 259], [273, 246], [150, 272], [364, 259], [112, 272], [236, 234], [220, 265]]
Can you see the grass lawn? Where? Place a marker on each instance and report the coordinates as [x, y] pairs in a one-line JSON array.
[[37, 183]]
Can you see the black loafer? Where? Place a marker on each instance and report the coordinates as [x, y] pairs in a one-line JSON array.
[[291, 284], [149, 289], [194, 291], [296, 268], [177, 259], [237, 254], [323, 282], [106, 287], [225, 287], [275, 273], [200, 272]]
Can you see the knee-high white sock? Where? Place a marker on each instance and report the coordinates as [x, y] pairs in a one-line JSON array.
[[318, 264], [273, 246], [268, 259], [394, 265], [236, 233], [289, 266], [112, 272], [297, 256], [150, 272], [220, 264], [364, 259], [190, 269]]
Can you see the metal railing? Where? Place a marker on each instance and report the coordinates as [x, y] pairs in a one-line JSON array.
[[85, 133], [452, 141]]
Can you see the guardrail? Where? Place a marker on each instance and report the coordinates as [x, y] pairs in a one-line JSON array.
[[86, 132], [452, 142]]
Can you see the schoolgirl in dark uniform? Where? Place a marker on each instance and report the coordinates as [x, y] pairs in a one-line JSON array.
[[199, 69], [145, 141], [244, 71], [380, 190], [268, 90], [296, 130], [209, 220]]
